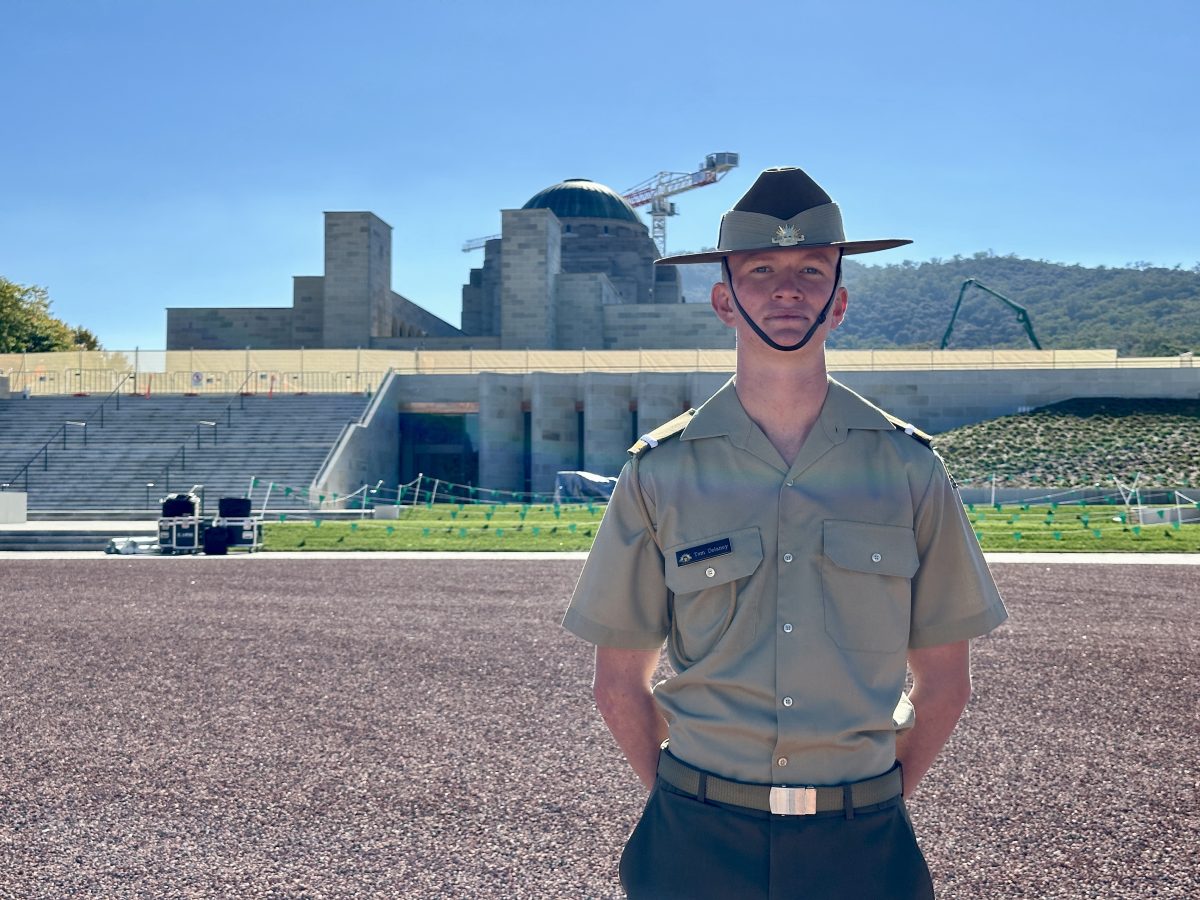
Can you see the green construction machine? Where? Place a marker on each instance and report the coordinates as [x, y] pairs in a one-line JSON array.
[[1022, 314]]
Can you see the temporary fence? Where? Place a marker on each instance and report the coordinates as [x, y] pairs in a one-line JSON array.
[[324, 371]]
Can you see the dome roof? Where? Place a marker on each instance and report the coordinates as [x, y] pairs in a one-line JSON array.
[[579, 198]]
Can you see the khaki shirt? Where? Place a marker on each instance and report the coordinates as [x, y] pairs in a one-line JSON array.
[[788, 597]]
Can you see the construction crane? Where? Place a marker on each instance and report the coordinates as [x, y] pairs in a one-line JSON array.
[[655, 191], [1022, 314]]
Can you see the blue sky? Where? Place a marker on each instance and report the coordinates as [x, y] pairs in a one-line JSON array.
[[161, 153]]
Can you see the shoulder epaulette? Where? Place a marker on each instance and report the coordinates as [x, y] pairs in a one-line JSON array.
[[652, 439], [911, 430]]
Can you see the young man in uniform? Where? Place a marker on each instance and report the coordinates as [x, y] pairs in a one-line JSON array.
[[798, 550]]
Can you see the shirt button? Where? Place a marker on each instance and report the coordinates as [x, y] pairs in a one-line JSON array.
[[875, 557], [710, 571], [787, 627], [782, 761], [790, 483], [787, 701], [787, 557]]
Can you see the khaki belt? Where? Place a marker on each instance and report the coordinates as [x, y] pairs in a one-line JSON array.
[[784, 801]]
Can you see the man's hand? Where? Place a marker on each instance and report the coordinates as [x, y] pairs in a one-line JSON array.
[[622, 690], [941, 689]]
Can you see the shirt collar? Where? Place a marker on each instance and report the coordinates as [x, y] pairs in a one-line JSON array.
[[723, 415]]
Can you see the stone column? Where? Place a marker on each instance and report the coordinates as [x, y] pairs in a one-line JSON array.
[[607, 422], [554, 433], [501, 432]]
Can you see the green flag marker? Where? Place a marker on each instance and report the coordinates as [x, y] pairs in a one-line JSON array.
[[1058, 535], [354, 526], [424, 532], [391, 529], [454, 513], [1096, 532], [499, 532], [1016, 535], [283, 517], [462, 532], [1137, 529], [317, 523], [536, 531]]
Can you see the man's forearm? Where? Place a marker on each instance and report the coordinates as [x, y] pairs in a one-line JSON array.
[[625, 701], [941, 689]]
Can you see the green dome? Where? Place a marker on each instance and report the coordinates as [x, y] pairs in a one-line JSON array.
[[579, 198]]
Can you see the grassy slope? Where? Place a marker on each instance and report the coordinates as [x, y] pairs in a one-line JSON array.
[[1080, 443]]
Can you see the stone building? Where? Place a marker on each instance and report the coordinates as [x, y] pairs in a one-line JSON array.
[[573, 268], [351, 305]]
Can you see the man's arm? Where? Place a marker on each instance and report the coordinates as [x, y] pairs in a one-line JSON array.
[[941, 689], [622, 690]]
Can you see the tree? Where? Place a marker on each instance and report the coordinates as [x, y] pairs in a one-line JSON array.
[[26, 324]]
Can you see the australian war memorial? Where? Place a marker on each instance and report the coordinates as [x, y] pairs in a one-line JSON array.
[[571, 269]]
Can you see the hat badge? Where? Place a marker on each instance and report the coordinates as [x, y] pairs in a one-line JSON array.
[[787, 236]]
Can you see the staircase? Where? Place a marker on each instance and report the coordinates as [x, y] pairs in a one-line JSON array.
[[150, 446]]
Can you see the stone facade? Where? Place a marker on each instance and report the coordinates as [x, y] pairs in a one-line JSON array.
[[579, 277], [351, 305]]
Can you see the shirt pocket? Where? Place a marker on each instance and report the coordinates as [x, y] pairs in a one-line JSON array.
[[866, 584], [703, 576]]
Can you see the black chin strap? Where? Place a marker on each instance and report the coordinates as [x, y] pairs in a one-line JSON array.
[[837, 278]]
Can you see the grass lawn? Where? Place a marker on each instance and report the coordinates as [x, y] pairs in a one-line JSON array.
[[449, 527]]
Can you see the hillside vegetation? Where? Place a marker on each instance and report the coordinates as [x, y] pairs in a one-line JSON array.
[[1140, 311], [1080, 443]]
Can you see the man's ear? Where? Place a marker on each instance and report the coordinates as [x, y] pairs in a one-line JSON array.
[[837, 312], [722, 303]]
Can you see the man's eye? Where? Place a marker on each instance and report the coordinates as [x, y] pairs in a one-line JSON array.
[[811, 270], [762, 269]]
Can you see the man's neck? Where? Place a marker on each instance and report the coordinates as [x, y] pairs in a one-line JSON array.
[[783, 396]]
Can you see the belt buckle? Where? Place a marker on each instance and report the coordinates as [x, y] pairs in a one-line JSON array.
[[794, 801]]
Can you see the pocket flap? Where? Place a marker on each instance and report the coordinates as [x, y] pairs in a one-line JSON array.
[[728, 556], [865, 547]]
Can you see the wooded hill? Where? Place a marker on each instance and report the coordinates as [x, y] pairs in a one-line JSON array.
[[1143, 311]]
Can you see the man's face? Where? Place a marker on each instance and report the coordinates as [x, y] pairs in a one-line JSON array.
[[784, 291]]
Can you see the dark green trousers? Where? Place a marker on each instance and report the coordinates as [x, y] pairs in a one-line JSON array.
[[691, 850]]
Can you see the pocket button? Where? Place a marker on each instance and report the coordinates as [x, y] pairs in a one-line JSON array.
[[876, 557]]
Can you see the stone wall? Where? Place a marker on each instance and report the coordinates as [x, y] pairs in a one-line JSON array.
[[530, 259], [665, 326], [221, 328], [941, 400], [579, 309]]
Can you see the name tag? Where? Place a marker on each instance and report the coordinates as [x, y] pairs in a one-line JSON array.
[[703, 551]]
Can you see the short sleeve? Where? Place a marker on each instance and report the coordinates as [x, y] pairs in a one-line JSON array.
[[621, 598], [954, 597]]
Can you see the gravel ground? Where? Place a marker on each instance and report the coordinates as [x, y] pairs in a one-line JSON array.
[[211, 727]]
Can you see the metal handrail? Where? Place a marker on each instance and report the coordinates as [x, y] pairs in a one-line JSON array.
[[181, 453], [44, 450]]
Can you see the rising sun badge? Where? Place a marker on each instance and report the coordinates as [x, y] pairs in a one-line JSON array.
[[787, 236]]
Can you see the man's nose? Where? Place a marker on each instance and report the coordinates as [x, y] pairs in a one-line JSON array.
[[789, 286]]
